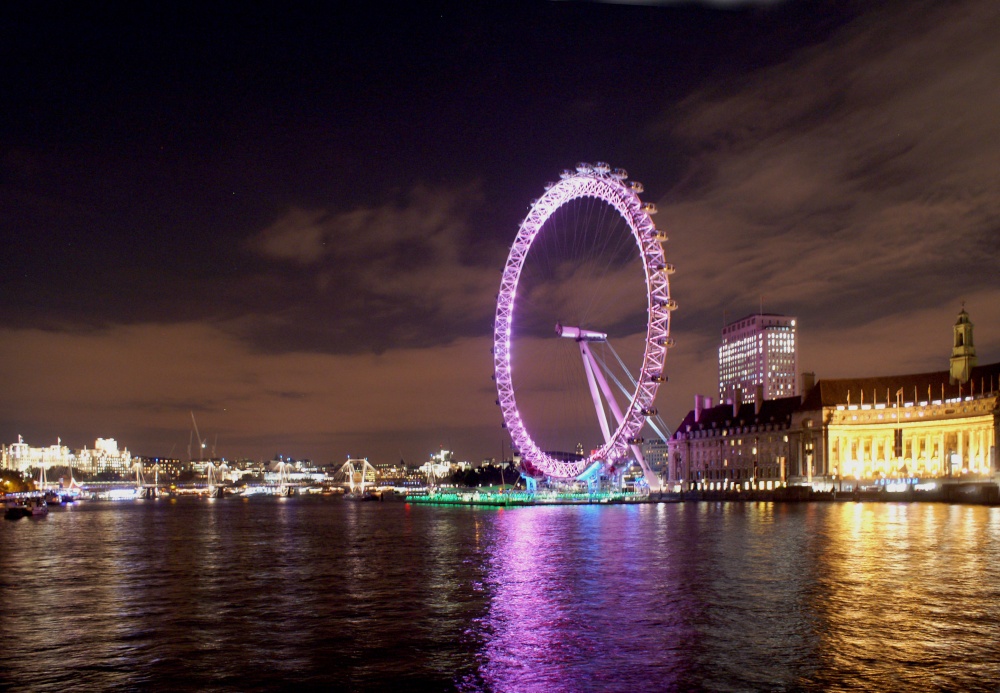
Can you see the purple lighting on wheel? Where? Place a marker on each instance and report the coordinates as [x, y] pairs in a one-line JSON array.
[[601, 182]]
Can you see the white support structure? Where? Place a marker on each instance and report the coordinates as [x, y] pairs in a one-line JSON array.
[[599, 386], [285, 470], [217, 476], [356, 474]]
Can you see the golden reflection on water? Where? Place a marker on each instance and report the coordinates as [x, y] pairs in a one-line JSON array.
[[905, 589]]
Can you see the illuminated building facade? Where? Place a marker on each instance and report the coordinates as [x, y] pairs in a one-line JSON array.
[[938, 425], [104, 457], [440, 466], [397, 473], [898, 427], [20, 456], [758, 356]]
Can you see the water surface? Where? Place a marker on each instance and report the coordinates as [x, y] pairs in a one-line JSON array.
[[268, 593]]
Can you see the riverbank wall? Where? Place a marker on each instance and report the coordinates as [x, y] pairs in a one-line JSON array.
[[979, 493]]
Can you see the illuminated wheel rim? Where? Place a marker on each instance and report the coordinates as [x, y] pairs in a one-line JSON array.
[[608, 185]]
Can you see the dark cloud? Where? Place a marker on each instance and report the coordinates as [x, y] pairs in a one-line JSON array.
[[393, 275], [300, 236], [854, 186]]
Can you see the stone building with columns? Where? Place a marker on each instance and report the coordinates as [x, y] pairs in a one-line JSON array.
[[896, 427], [917, 427]]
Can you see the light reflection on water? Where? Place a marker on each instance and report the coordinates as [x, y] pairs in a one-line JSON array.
[[269, 593]]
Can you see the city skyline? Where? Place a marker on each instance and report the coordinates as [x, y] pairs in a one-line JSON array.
[[294, 224]]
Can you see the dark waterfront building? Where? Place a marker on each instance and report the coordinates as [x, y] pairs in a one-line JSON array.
[[733, 446]]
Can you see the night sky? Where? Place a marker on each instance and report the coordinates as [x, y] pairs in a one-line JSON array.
[[292, 221]]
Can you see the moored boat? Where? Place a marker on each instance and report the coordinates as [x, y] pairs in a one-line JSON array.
[[29, 507], [15, 511]]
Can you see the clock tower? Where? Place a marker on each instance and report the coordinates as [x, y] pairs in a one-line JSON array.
[[963, 351]]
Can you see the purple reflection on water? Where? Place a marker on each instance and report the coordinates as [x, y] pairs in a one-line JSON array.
[[574, 606]]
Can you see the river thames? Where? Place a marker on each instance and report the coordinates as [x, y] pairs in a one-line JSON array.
[[270, 593]]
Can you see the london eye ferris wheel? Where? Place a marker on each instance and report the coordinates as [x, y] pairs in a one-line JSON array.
[[589, 261]]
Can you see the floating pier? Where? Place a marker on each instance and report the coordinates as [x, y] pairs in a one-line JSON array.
[[509, 499]]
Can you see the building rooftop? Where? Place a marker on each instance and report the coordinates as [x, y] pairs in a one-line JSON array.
[[772, 411], [917, 387], [751, 316]]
